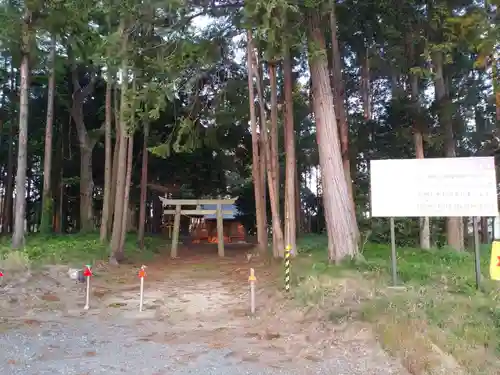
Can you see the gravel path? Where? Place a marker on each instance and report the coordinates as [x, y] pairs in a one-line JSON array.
[[190, 326], [91, 346]]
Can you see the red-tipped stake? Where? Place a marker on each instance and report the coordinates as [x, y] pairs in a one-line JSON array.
[[87, 272], [142, 275]]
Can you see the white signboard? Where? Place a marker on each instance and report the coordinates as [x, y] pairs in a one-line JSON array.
[[440, 187]]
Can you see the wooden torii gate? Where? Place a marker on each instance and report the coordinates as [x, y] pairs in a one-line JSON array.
[[178, 211]]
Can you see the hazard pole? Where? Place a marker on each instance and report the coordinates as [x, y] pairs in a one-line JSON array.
[[252, 279], [88, 274], [287, 268], [142, 275]]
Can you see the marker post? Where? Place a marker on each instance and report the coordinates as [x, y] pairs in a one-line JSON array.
[[142, 275], [87, 272], [252, 279], [287, 269]]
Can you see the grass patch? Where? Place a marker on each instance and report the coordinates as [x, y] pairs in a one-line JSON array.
[[74, 249], [439, 320]]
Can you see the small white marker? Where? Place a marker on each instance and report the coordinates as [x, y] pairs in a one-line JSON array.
[[88, 274], [142, 275], [252, 279]]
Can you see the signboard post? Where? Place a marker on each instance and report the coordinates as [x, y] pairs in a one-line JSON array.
[[434, 187]]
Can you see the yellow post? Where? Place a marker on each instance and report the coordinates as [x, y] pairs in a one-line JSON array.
[[252, 279]]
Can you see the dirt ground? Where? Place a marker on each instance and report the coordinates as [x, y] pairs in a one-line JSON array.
[[196, 300]]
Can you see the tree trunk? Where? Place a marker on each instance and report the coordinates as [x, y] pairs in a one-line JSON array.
[[271, 176], [86, 189], [425, 231], [22, 156], [29, 180], [116, 235], [485, 237], [47, 202], [144, 183], [365, 85], [157, 220], [291, 160], [263, 187], [9, 189], [86, 147], [128, 179], [298, 206], [274, 144], [339, 100], [59, 182], [257, 155], [495, 75], [116, 149], [339, 215], [454, 228], [107, 164]]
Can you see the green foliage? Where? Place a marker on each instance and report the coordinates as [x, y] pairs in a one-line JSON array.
[[451, 270], [76, 249], [47, 213], [440, 299]]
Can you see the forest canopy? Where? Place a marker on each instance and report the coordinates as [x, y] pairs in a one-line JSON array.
[[105, 106]]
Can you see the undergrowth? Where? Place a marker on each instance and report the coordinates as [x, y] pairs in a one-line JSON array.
[[73, 249], [439, 308]]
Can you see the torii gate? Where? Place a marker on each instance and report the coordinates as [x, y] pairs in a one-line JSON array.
[[178, 211]]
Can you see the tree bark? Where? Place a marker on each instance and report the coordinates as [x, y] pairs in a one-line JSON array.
[[485, 237], [116, 149], [9, 189], [47, 202], [29, 180], [291, 160], [495, 75], [274, 144], [298, 205], [339, 215], [86, 147], [58, 183], [144, 186], [424, 231], [107, 163], [22, 156], [365, 85], [339, 100], [454, 225], [271, 176], [116, 235], [257, 155], [128, 180], [86, 189]]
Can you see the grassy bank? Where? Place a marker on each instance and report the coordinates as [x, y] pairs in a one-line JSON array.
[[74, 249], [438, 320]]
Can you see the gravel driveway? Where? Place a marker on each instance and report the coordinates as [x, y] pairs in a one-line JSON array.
[[89, 346], [191, 325]]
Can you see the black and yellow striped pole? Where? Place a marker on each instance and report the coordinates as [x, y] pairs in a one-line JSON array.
[[287, 268]]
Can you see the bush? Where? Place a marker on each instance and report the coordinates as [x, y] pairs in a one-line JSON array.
[[74, 249]]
